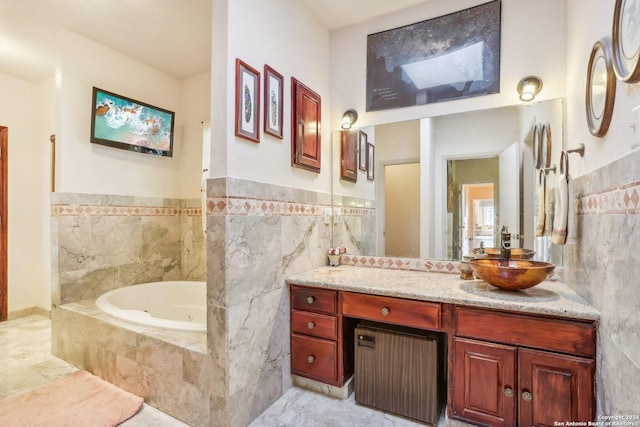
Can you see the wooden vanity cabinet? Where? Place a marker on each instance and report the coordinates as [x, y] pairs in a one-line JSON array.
[[316, 335], [504, 368], [506, 383]]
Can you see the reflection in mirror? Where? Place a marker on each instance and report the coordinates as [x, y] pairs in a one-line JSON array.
[[446, 184]]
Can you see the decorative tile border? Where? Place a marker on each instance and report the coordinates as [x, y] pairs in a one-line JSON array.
[[101, 210], [624, 199], [413, 264], [391, 263], [358, 212], [251, 206]]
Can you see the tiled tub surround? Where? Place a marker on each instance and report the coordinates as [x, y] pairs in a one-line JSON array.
[[170, 369], [104, 242], [604, 268], [257, 235]]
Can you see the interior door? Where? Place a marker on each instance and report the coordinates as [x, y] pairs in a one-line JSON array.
[[509, 190], [402, 210], [4, 250]]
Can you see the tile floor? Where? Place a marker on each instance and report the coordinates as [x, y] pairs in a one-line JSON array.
[[26, 363]]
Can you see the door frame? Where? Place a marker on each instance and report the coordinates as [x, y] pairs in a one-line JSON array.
[[4, 248]]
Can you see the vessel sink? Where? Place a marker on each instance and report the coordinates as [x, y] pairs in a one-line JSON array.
[[511, 274], [516, 253]]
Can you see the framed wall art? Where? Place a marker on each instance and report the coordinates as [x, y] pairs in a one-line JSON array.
[[247, 102], [273, 102], [370, 161], [601, 88], [362, 151], [440, 59], [121, 122], [625, 40]]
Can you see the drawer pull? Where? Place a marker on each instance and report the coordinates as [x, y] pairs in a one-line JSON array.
[[508, 392], [311, 359], [311, 300], [385, 311], [311, 325], [526, 396]]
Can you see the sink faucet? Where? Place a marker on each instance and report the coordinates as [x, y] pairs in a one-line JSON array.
[[505, 243]]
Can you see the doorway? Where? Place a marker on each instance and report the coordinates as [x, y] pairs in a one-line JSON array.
[[4, 250], [477, 217], [467, 180], [402, 210]]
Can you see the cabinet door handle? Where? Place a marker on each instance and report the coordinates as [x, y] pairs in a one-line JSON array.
[[311, 325], [311, 300], [384, 311], [311, 359], [526, 396], [508, 392]]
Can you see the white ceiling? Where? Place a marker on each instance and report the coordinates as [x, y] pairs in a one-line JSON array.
[[173, 36]]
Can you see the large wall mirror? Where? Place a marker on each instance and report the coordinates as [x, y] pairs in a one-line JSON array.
[[445, 185]]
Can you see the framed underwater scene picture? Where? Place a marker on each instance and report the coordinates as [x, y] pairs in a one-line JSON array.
[[121, 122], [273, 106], [247, 102]]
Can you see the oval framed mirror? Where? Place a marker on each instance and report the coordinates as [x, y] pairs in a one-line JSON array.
[[601, 88], [626, 40], [537, 146], [545, 147]]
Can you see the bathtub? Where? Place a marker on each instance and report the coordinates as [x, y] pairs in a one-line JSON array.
[[177, 305]]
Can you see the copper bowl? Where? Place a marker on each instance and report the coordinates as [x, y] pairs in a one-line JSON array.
[[512, 274], [516, 253]]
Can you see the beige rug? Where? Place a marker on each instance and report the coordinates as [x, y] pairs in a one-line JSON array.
[[80, 399]]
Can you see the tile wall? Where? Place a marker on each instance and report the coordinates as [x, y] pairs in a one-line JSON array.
[[257, 235], [604, 267], [355, 225], [103, 242]]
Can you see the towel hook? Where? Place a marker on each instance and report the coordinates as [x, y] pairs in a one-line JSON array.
[[579, 150], [547, 170], [564, 158], [564, 163]]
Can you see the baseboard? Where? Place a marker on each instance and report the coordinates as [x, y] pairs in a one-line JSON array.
[[28, 312]]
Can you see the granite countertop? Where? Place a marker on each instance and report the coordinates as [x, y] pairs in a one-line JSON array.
[[549, 298]]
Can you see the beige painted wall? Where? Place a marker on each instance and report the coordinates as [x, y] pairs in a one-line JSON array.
[[402, 210]]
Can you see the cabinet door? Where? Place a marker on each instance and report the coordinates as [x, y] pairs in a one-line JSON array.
[[349, 156], [305, 127], [554, 387], [484, 382]]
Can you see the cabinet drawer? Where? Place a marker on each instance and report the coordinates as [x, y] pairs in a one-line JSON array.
[[314, 358], [314, 324], [417, 314], [311, 299], [565, 336]]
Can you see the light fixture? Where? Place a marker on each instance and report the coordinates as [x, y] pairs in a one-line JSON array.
[[529, 87], [349, 118]]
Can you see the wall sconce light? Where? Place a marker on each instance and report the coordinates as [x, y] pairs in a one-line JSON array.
[[529, 87], [349, 118]]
